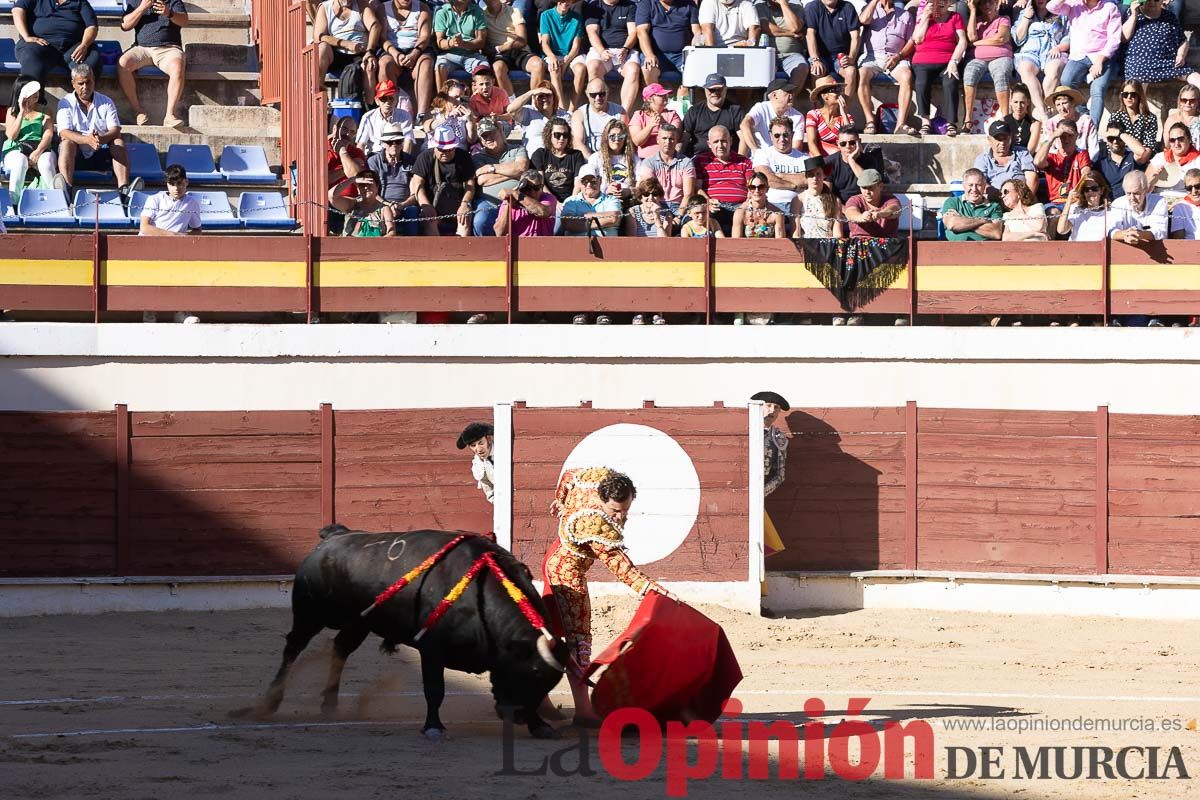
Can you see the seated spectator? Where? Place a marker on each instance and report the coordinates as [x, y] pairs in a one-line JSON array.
[[173, 212], [1187, 112], [717, 109], [645, 122], [460, 32], [528, 208], [1185, 215], [1063, 162], [408, 48], [1166, 168], [872, 214], [507, 45], [394, 166], [650, 216], [447, 189], [90, 135], [1134, 116], [449, 109], [54, 34], [1157, 47], [940, 42], [1095, 38], [158, 41], [665, 27], [817, 211], [342, 32], [1119, 155], [991, 34], [756, 218], [843, 167], [723, 175], [1138, 217], [532, 111], [1025, 219], [589, 120], [1065, 101], [785, 30], [728, 23], [1042, 44], [833, 41], [782, 164], [972, 217], [1002, 161], [28, 139], [826, 118], [1085, 214], [674, 174], [615, 161], [1025, 126], [367, 215], [344, 159], [591, 211], [560, 30], [498, 166], [386, 112], [755, 131], [489, 100], [699, 223], [558, 161], [611, 28], [889, 28]]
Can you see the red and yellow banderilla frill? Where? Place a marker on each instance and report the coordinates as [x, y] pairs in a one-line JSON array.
[[585, 533]]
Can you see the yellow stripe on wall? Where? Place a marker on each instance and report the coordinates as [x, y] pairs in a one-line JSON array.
[[1131, 277], [409, 273], [775, 275], [287, 274], [1012, 278], [672, 274], [45, 272]]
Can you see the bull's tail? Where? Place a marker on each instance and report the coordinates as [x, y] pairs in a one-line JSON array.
[[333, 530]]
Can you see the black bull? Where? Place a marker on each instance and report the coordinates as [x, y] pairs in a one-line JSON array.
[[484, 630]]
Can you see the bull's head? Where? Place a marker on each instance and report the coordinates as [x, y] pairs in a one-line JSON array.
[[545, 648]]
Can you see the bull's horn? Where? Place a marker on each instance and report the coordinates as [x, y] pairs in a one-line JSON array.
[[543, 648]]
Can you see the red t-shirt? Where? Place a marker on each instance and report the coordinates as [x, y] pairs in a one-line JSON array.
[[883, 229], [1063, 172], [725, 182], [337, 173]]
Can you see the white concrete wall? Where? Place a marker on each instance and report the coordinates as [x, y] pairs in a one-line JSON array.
[[224, 367]]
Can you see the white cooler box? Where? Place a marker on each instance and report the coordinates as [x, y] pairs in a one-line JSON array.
[[741, 66]]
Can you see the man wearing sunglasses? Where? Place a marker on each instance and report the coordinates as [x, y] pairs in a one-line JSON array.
[[1185, 216], [1120, 153], [717, 109], [588, 121], [1166, 168], [782, 164], [853, 158]]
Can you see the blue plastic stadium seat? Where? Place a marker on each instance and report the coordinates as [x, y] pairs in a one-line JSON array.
[[136, 202], [143, 162], [6, 6], [264, 210], [215, 211], [45, 208], [197, 159], [246, 165], [7, 213], [110, 52], [107, 8], [112, 212], [8, 57]]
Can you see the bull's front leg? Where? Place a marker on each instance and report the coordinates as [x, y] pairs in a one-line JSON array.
[[433, 681]]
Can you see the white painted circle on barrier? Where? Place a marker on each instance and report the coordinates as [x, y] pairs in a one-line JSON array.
[[668, 488]]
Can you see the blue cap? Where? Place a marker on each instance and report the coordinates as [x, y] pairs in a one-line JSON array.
[[714, 79]]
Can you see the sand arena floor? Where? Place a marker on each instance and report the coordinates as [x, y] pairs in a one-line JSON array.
[[136, 706]]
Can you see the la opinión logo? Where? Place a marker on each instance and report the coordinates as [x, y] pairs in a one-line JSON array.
[[734, 750]]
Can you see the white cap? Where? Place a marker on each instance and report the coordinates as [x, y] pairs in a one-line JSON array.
[[28, 90]]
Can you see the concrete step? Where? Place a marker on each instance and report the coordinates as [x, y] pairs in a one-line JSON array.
[[256, 120], [204, 56], [217, 6]]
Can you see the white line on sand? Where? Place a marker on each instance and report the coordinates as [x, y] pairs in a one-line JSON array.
[[210, 727]]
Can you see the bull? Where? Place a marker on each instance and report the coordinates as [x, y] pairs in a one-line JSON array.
[[484, 630]]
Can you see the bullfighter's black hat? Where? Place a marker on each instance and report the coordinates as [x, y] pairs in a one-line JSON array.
[[772, 397], [473, 433]]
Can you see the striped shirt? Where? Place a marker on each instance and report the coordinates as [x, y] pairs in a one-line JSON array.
[[724, 181]]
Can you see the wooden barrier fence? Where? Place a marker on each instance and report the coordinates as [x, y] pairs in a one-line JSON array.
[[97, 273], [235, 493]]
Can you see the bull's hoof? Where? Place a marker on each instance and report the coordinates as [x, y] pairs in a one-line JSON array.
[[543, 732], [435, 735], [251, 712]]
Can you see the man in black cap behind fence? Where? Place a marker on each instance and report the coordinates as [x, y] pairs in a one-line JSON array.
[[479, 436], [1004, 161]]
